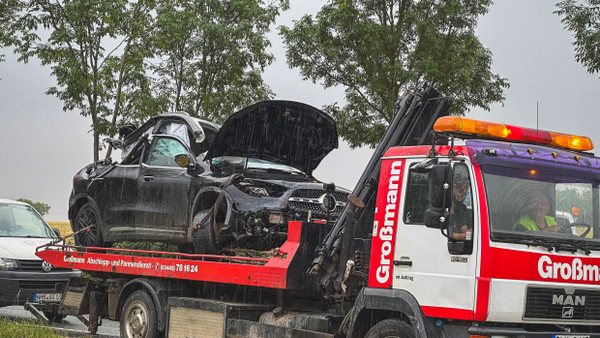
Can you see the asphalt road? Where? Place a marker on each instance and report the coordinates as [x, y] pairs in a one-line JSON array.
[[71, 325]]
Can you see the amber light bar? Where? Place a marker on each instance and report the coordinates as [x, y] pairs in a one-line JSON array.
[[507, 132]]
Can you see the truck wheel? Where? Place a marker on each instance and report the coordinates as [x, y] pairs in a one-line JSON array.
[[54, 317], [204, 235], [139, 317], [86, 216], [389, 328]]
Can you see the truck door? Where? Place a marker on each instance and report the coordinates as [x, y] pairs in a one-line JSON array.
[[426, 263]]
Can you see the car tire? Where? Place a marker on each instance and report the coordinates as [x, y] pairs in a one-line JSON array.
[[391, 328], [54, 317], [203, 234], [139, 317], [86, 216]]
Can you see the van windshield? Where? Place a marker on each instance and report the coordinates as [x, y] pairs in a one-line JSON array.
[[17, 220], [549, 207]]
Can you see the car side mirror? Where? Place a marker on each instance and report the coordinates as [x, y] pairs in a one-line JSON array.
[[56, 232], [185, 161]]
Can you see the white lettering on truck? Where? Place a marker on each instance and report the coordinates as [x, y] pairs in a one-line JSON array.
[[576, 270], [386, 232]]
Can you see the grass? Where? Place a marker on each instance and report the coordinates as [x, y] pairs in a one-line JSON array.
[[25, 329], [64, 228]]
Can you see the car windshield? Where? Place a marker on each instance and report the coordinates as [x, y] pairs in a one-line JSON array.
[[17, 220], [232, 164], [550, 207]]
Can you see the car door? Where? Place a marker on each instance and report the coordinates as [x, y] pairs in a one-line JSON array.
[[425, 265], [163, 189], [115, 193]]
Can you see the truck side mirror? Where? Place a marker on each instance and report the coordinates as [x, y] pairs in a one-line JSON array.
[[441, 182], [437, 215]]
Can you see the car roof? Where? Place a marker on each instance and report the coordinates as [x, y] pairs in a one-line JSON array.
[[9, 201]]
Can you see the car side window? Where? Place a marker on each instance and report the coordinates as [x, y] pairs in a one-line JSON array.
[[163, 152]]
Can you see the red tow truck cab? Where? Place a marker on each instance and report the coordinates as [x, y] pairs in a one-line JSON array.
[[505, 280]]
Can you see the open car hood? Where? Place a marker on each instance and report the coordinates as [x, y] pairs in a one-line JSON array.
[[284, 132]]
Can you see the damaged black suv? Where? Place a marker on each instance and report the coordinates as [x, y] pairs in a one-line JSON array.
[[187, 181]]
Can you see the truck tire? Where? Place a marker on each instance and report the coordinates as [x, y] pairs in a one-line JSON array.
[[86, 216], [139, 316], [204, 234], [391, 328]]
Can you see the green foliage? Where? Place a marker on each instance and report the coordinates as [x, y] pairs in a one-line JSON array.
[[212, 53], [375, 49], [582, 18], [42, 208], [121, 61], [27, 329]]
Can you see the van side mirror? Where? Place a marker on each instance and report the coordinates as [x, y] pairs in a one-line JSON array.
[[437, 215]]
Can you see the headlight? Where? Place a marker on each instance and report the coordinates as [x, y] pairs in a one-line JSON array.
[[8, 264], [255, 191]]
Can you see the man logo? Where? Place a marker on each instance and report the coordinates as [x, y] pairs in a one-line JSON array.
[[567, 312], [568, 300], [46, 266]]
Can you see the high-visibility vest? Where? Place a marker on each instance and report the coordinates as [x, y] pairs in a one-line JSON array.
[[529, 224]]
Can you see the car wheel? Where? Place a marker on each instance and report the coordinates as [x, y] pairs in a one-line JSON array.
[[54, 317], [203, 234], [86, 216], [391, 328], [139, 316]]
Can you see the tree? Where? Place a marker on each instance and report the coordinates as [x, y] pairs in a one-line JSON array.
[[122, 61], [583, 20], [89, 79], [42, 208], [374, 49], [212, 53], [8, 14]]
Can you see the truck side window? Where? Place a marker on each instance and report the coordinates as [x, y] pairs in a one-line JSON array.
[[461, 211], [417, 197]]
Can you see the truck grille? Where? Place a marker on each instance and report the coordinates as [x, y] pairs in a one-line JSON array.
[[37, 284], [555, 303], [303, 200]]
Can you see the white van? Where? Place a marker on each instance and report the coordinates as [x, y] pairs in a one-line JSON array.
[[23, 275]]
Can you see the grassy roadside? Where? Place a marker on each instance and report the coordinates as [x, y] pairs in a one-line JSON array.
[[26, 329]]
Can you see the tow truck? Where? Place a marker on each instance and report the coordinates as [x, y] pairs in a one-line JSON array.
[[399, 262]]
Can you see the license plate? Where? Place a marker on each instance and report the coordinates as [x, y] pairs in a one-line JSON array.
[[570, 336], [47, 297]]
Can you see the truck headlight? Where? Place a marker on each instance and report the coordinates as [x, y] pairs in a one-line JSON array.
[[8, 264]]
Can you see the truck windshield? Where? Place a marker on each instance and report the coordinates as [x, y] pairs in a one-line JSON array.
[[552, 208]]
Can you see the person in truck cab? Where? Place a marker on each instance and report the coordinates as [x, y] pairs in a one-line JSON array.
[[536, 218], [461, 224]]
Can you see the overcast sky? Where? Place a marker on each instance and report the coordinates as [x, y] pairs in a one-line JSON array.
[[42, 147]]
